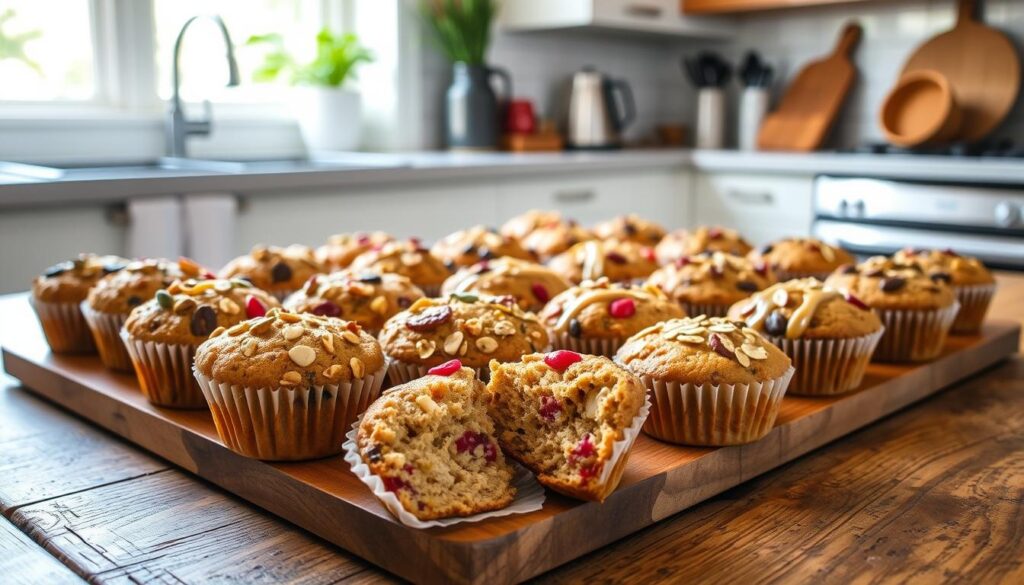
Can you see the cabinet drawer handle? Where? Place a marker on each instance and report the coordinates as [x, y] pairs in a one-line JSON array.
[[751, 197], [574, 195], [643, 10]]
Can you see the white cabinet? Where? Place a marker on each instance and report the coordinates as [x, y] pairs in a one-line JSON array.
[[657, 17], [762, 207]]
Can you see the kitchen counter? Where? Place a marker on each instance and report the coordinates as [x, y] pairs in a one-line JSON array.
[[397, 169], [932, 493]]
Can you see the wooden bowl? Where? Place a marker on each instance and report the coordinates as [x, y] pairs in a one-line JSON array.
[[920, 110]]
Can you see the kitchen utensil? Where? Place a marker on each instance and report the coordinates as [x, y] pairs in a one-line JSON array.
[[472, 108], [754, 72], [982, 66], [753, 107], [707, 70], [519, 117], [812, 102], [921, 109], [710, 117], [596, 117]]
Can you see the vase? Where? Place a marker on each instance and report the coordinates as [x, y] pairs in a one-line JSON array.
[[472, 113], [328, 117]]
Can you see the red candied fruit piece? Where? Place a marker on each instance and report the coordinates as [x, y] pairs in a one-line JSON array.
[[622, 308], [585, 448], [715, 233], [207, 275], [416, 242], [561, 360], [254, 308], [761, 268], [540, 292], [682, 261], [470, 440], [362, 239], [648, 253], [327, 309], [446, 369], [393, 484], [588, 471], [616, 257], [853, 300], [550, 407]]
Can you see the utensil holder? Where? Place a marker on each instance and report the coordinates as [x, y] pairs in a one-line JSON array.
[[711, 118], [753, 109]]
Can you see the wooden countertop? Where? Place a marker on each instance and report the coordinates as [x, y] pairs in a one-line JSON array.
[[930, 494]]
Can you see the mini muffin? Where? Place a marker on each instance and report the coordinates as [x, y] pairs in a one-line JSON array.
[[597, 317], [366, 297], [712, 381], [115, 295], [523, 224], [408, 258], [630, 228], [801, 257], [57, 297], [972, 283], [708, 284], [570, 419], [469, 246], [287, 387], [619, 261], [475, 329], [682, 243], [916, 310], [830, 336], [341, 249], [546, 242], [278, 271], [531, 285], [162, 334]]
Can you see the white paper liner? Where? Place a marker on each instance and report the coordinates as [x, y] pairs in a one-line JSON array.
[[606, 346], [914, 336], [974, 301], [106, 332], [828, 366], [165, 372], [714, 415], [288, 424], [784, 275], [709, 309], [401, 372], [529, 493], [64, 326]]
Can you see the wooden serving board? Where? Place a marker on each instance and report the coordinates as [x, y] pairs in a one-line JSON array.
[[325, 498]]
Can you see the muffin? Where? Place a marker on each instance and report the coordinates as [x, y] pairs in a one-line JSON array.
[[630, 228], [287, 387], [801, 258], [972, 283], [469, 246], [427, 449], [546, 242], [570, 419], [619, 261], [278, 271], [114, 296], [366, 297], [57, 297], [523, 224], [409, 259], [713, 382], [916, 310], [162, 334], [597, 317], [829, 336], [475, 329], [708, 284], [682, 243], [531, 285], [341, 249]]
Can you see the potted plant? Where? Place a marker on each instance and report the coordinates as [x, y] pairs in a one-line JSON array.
[[328, 113], [462, 29]]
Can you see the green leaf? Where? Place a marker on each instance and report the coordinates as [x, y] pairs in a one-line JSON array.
[[461, 28], [336, 60]]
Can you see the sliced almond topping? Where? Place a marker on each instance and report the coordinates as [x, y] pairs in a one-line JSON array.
[[379, 305], [328, 340], [228, 306], [248, 347], [358, 369], [464, 348], [239, 329], [293, 332], [184, 305], [486, 344], [411, 258], [222, 286], [302, 355], [425, 348], [452, 343], [722, 328], [690, 339], [289, 317], [333, 372], [780, 297], [261, 325], [536, 334], [350, 336], [217, 331], [291, 379], [827, 252], [742, 359], [754, 351], [727, 343]]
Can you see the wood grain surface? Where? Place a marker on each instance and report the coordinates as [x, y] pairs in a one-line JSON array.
[[661, 479], [23, 562]]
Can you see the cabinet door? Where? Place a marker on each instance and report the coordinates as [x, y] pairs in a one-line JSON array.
[[33, 239], [762, 207], [659, 195]]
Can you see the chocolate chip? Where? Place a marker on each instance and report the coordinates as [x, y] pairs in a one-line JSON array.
[[281, 272], [874, 273], [616, 257], [204, 321], [892, 284], [429, 319], [370, 278], [747, 285], [134, 301], [327, 309], [941, 277], [575, 328], [450, 265], [847, 269], [776, 323], [630, 229], [484, 253], [469, 249], [374, 454], [767, 249], [404, 302], [113, 267], [58, 269]]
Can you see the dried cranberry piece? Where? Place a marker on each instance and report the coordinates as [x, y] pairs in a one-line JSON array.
[[847, 269], [682, 261], [747, 286], [539, 292], [950, 252], [362, 239], [856, 302], [715, 342], [470, 440], [588, 471], [254, 308], [393, 484], [616, 257], [648, 254], [550, 408], [622, 308], [715, 233], [776, 324], [446, 369], [909, 251], [585, 448], [430, 319], [892, 284], [482, 266], [281, 272], [761, 268], [717, 271], [560, 360], [203, 322], [416, 243], [327, 309]]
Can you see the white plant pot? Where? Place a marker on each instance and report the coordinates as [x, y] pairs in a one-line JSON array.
[[329, 118]]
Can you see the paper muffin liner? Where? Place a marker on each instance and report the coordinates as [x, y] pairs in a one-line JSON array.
[[914, 336], [165, 372], [400, 372], [709, 309], [828, 366], [714, 415], [606, 346], [784, 275], [64, 326], [288, 424], [106, 332], [529, 494], [611, 474], [974, 301]]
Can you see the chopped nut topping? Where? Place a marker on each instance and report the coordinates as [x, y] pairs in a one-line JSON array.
[[379, 305], [427, 404], [288, 317], [248, 347], [302, 355], [239, 329], [217, 331], [452, 343], [228, 306], [328, 340], [293, 332], [260, 325], [332, 372], [349, 336], [184, 306], [425, 348], [291, 379], [474, 327], [358, 368], [486, 344], [504, 328]]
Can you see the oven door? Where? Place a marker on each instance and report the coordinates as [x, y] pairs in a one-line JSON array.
[[866, 239]]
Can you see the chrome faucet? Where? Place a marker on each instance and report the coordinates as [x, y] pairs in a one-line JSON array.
[[178, 126]]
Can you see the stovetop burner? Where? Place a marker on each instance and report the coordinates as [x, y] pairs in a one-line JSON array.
[[1004, 148]]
